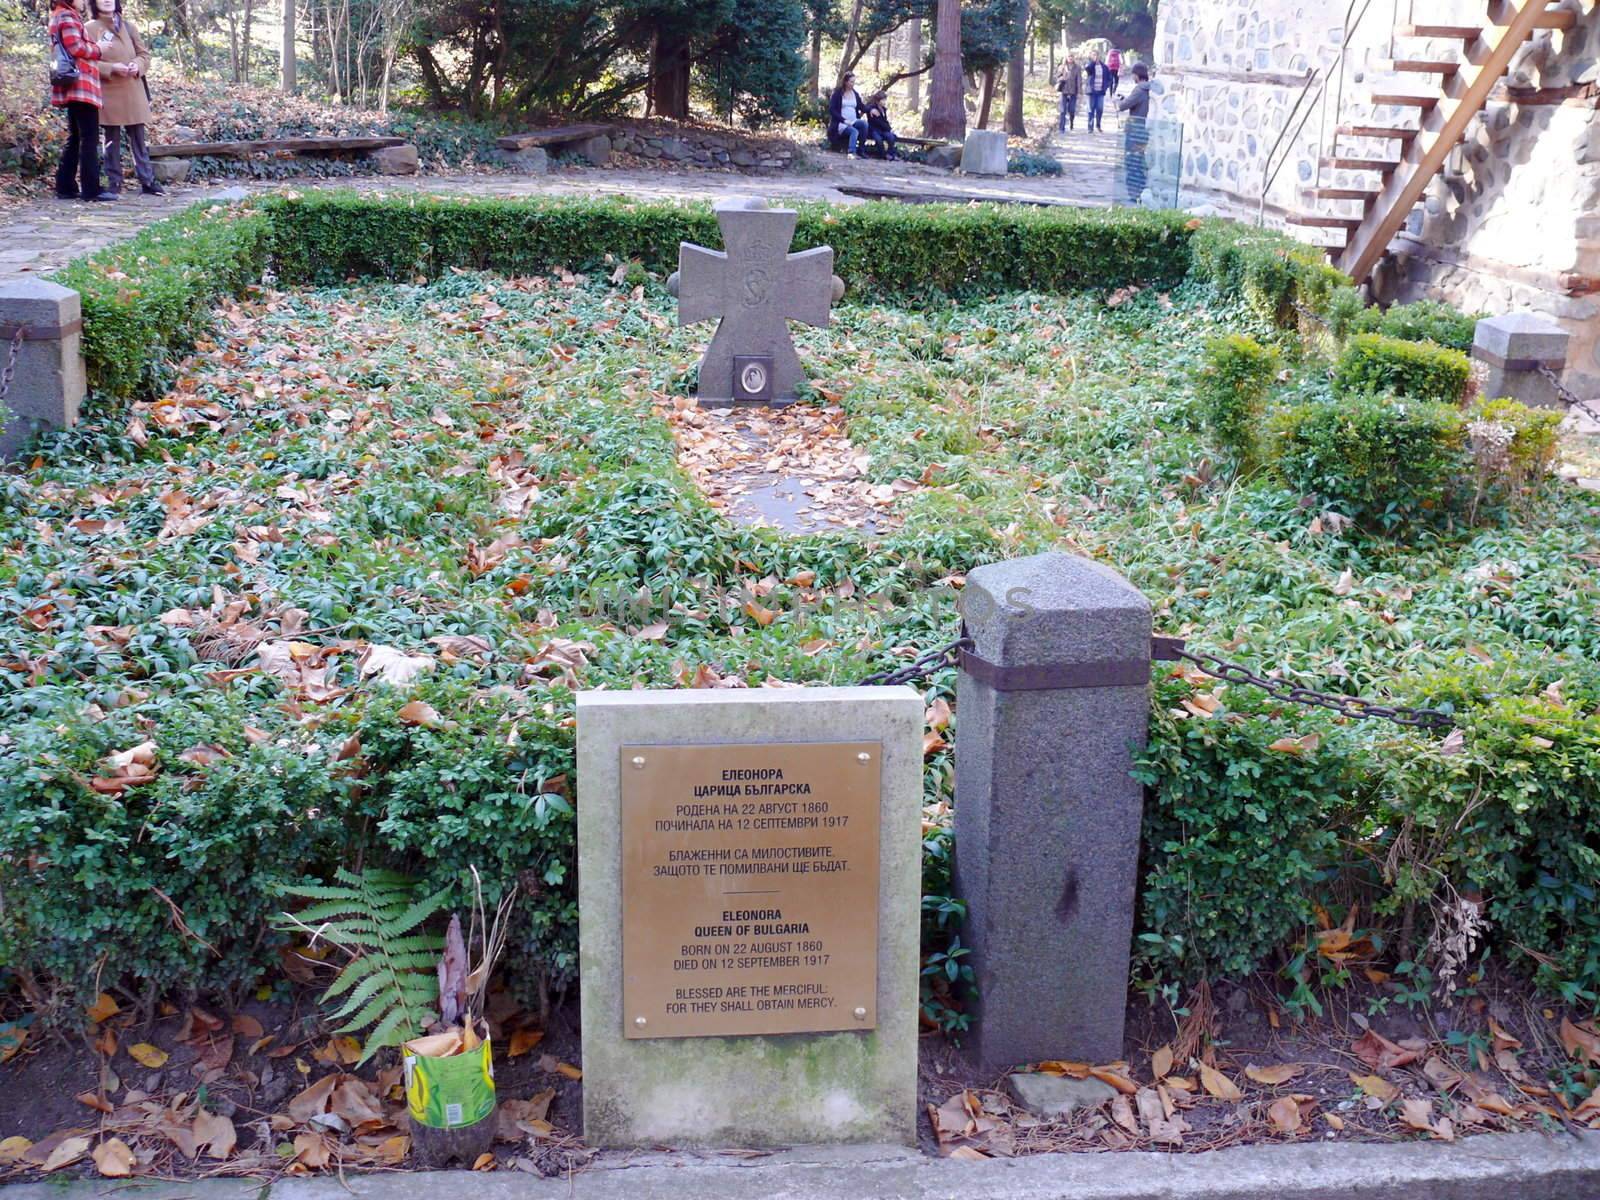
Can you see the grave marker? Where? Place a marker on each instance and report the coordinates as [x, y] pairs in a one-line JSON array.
[[749, 895], [756, 287]]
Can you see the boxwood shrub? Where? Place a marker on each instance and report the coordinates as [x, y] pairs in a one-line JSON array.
[[1382, 461], [1375, 364]]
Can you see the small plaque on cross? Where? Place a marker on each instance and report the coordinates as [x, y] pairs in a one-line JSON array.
[[755, 287]]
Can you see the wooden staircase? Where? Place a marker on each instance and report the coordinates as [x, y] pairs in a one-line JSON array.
[[1415, 152]]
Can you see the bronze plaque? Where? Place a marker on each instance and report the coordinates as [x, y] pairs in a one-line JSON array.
[[749, 888]]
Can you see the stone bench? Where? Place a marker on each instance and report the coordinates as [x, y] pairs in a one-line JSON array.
[[391, 155], [531, 151]]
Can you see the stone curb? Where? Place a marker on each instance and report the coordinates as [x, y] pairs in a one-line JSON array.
[[1490, 1167]]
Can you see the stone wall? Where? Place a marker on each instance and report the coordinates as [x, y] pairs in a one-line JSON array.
[[1514, 220], [703, 148]]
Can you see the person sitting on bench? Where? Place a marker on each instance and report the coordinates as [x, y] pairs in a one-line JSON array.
[[847, 120], [878, 127]]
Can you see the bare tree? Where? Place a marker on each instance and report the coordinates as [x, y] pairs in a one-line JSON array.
[[1016, 72], [914, 63], [947, 114], [288, 81]]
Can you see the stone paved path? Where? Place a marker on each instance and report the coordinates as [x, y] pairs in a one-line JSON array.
[[42, 237]]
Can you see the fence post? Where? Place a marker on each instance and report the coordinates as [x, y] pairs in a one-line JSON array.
[[1514, 347], [1051, 702], [49, 383]]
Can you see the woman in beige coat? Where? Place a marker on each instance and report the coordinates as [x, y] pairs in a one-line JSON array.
[[125, 106]]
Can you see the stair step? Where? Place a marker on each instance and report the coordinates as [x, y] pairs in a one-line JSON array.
[[1322, 221], [1502, 12], [1426, 66], [1344, 193], [1466, 33], [1340, 162], [1402, 99], [1396, 132]]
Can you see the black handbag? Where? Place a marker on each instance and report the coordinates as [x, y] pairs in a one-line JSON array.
[[63, 67]]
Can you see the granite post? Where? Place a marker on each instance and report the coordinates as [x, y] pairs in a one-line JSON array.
[[757, 1089], [48, 383], [1052, 702], [1514, 347]]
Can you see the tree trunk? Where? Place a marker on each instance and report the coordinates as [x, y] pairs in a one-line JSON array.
[[233, 45], [431, 78], [1016, 73], [244, 41], [847, 60], [815, 82], [947, 115], [914, 63], [988, 98], [1052, 78], [287, 77], [669, 75]]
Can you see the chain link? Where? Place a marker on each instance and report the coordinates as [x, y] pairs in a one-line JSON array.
[[919, 668], [1567, 395], [10, 370], [1349, 706]]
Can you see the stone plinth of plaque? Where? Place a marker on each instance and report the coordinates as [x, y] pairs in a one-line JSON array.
[[749, 882]]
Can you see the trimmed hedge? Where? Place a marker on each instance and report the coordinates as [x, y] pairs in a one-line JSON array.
[[1233, 389], [891, 250], [1374, 364], [1273, 274], [147, 299]]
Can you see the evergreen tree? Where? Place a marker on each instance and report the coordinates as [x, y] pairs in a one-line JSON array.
[[751, 68]]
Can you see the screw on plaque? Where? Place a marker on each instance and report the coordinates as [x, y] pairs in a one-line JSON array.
[[863, 757], [861, 1014], [640, 1022], [638, 762]]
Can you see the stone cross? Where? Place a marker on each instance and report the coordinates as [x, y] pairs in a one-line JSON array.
[[756, 287]]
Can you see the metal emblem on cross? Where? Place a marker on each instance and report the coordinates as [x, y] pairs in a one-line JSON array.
[[755, 287]]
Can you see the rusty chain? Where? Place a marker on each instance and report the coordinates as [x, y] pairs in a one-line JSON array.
[[919, 668], [949, 655], [1349, 706], [1566, 394], [10, 370]]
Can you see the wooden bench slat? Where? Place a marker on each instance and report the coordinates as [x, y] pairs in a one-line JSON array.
[[551, 137], [299, 145]]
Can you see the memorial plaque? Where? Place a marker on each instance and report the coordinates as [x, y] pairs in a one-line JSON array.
[[749, 888]]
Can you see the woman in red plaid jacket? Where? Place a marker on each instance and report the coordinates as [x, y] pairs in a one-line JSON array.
[[78, 176]]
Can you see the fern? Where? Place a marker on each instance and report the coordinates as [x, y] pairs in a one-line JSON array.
[[390, 986]]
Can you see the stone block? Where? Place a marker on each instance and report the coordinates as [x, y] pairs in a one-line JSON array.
[[49, 383], [535, 160], [597, 150], [395, 160], [172, 170], [1510, 346], [1057, 1095], [948, 157], [984, 152], [1047, 828], [752, 1090]]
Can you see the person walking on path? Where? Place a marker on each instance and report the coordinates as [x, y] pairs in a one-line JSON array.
[[1135, 132], [1098, 79], [78, 176], [847, 116], [1069, 82], [1114, 66], [125, 100]]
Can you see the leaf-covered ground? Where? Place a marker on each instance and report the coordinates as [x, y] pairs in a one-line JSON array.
[[418, 498]]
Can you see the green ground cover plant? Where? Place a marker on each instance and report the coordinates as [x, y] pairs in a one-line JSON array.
[[324, 600]]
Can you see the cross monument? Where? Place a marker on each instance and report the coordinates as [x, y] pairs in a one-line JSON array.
[[756, 287]]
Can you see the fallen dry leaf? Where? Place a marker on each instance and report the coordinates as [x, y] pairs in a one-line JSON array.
[[1284, 1115], [1161, 1062], [1376, 1086], [113, 1159], [1379, 1053], [66, 1153], [1581, 1042], [14, 1148], [524, 1040], [103, 1008], [1272, 1076], [147, 1055], [1219, 1085]]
